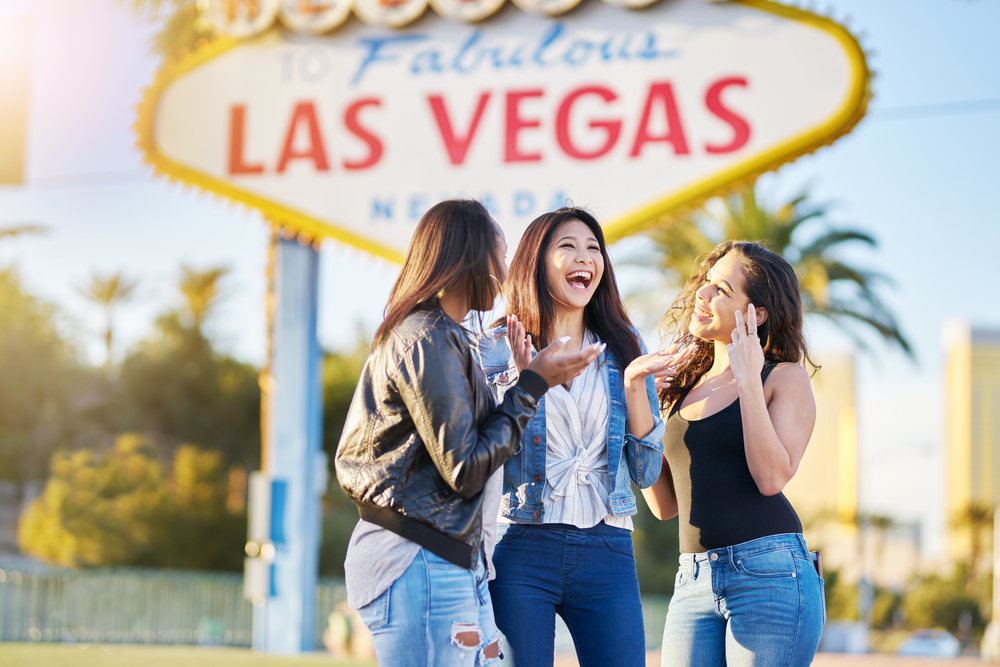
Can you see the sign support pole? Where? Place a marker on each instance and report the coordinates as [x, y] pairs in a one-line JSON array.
[[293, 455]]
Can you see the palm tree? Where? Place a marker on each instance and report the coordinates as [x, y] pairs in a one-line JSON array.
[[184, 25], [974, 517], [881, 524], [201, 291], [108, 292], [801, 232]]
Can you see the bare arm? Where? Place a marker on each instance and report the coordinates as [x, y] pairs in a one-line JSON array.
[[775, 433], [661, 497], [657, 364]]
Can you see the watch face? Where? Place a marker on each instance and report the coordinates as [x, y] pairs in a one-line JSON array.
[[469, 11], [547, 7], [389, 13], [242, 18], [314, 16]]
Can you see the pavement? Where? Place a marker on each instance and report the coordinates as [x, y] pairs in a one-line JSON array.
[[837, 660]]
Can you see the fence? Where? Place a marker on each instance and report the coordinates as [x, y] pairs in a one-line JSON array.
[[135, 605]]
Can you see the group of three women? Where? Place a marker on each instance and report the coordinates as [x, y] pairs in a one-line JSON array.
[[494, 482]]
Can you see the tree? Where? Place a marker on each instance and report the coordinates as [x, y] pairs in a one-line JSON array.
[[184, 26], [119, 507], [178, 387], [975, 518], [38, 381], [108, 291], [201, 291], [800, 231]]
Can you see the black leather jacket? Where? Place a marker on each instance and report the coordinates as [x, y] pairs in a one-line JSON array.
[[423, 435]]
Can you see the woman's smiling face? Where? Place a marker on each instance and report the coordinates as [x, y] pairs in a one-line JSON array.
[[574, 265], [716, 302]]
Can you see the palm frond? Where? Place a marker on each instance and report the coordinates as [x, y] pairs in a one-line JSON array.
[[833, 288]]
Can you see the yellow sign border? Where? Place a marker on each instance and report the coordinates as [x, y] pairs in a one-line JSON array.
[[838, 124]]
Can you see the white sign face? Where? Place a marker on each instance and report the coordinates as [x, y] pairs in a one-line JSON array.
[[632, 114]]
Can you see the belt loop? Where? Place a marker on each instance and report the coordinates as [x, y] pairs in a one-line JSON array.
[[802, 541], [697, 566], [732, 562]]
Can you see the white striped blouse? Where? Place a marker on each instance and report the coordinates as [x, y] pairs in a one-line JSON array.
[[577, 483]]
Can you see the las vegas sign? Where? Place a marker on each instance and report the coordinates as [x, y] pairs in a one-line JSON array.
[[632, 112]]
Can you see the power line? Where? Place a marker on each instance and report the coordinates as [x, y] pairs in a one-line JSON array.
[[986, 105], [98, 178]]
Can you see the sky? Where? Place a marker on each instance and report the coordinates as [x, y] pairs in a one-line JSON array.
[[919, 173]]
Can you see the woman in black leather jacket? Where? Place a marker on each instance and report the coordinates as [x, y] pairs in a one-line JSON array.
[[421, 439]]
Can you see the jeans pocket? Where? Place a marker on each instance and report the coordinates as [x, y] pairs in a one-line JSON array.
[[775, 564], [509, 531], [682, 577], [619, 544], [375, 614]]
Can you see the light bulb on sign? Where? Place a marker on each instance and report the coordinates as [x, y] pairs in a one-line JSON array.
[[243, 18], [314, 16]]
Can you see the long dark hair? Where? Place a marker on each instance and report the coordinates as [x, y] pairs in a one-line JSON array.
[[455, 242], [770, 283], [527, 291]]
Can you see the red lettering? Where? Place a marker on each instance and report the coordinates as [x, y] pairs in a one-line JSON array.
[[741, 129], [612, 128], [515, 123], [237, 163], [675, 131], [355, 128], [305, 112], [456, 146]]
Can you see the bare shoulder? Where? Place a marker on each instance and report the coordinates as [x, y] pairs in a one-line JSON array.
[[788, 379]]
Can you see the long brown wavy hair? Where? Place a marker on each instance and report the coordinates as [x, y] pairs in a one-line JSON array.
[[455, 241], [527, 289], [770, 283]]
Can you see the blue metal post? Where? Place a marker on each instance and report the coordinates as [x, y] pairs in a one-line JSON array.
[[294, 458]]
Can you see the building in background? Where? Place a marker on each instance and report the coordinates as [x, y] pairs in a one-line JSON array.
[[972, 423], [825, 487]]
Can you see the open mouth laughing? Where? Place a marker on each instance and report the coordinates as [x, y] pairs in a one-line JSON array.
[[580, 280]]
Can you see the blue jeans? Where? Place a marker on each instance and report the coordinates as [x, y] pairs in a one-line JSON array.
[[587, 576], [757, 604], [424, 618]]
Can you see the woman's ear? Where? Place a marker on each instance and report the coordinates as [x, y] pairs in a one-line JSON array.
[[761, 315]]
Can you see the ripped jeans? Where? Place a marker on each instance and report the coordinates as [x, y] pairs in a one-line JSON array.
[[437, 614]]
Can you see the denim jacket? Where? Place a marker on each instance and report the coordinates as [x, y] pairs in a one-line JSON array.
[[524, 473]]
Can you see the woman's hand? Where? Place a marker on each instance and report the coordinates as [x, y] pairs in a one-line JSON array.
[[661, 365], [520, 343], [746, 357], [557, 368]]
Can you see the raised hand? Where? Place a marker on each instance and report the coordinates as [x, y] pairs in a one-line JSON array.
[[520, 343], [746, 357], [661, 365], [558, 368]]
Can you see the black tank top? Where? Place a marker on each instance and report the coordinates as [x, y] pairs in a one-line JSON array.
[[719, 504]]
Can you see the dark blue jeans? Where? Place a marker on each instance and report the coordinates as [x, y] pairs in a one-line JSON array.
[[587, 576]]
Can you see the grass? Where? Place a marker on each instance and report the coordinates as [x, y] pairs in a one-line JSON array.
[[18, 654]]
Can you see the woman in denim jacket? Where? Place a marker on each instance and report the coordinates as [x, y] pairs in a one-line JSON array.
[[564, 530]]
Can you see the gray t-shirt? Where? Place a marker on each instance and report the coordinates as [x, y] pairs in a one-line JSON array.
[[377, 557]]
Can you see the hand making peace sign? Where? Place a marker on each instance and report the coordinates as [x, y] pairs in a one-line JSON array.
[[746, 357]]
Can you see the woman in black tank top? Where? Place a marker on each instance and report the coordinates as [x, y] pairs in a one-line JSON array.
[[739, 411]]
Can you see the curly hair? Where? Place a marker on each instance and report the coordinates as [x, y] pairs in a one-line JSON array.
[[770, 283]]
